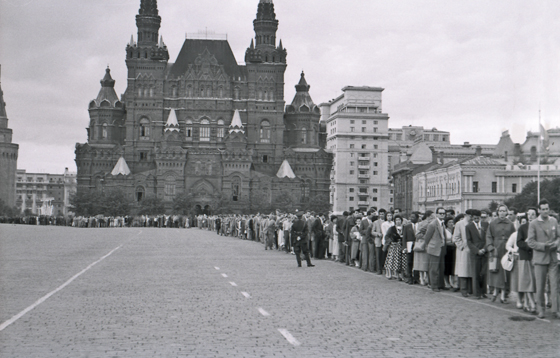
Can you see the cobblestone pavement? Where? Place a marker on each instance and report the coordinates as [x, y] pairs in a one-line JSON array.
[[191, 293]]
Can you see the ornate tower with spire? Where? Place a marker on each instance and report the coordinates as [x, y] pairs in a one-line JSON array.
[[8, 157], [204, 125]]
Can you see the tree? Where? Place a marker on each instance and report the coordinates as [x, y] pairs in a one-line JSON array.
[[183, 204], [6, 210], [550, 190], [151, 206], [112, 202], [493, 206]]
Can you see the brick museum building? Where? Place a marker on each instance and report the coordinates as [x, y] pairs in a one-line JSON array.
[[205, 126]]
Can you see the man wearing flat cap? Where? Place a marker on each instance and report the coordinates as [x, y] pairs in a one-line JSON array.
[[477, 246], [299, 234]]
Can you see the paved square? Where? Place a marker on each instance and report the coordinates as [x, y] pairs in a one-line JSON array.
[[164, 293]]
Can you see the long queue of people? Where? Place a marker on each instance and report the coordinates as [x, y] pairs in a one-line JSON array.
[[478, 254]]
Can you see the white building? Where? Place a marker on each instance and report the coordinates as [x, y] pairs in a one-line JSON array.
[[357, 135]]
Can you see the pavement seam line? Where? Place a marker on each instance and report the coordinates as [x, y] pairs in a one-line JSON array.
[[46, 297], [263, 312], [224, 275], [246, 294], [233, 284]]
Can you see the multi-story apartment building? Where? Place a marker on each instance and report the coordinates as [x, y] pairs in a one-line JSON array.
[[45, 194], [357, 135]]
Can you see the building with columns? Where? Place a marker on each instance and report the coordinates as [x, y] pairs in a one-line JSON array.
[[8, 156], [205, 126], [357, 135]]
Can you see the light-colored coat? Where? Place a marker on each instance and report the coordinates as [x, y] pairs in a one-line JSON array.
[[541, 232], [434, 238], [463, 265]]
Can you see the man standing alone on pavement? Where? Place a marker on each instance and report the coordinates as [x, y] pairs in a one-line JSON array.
[[300, 233], [544, 239]]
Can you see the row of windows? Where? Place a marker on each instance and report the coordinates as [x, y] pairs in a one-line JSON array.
[[362, 190], [373, 198], [364, 146], [364, 163], [363, 172]]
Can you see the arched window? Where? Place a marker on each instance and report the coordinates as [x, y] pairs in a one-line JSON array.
[[104, 131], [146, 92], [140, 91], [205, 130], [236, 93], [305, 191], [221, 129], [201, 91], [265, 131], [189, 129], [174, 91], [170, 186], [144, 128], [221, 92], [189, 91], [151, 92], [236, 189], [208, 92], [140, 193], [304, 135]]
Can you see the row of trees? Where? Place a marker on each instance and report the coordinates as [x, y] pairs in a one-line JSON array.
[[550, 190], [116, 202]]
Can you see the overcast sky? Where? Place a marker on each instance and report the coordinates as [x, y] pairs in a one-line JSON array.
[[471, 67]]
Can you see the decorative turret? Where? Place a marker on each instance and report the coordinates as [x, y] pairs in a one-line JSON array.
[[2, 103], [107, 96], [172, 124], [148, 22], [265, 26], [302, 119], [236, 124]]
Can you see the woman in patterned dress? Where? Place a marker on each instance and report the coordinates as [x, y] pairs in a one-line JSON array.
[[393, 238]]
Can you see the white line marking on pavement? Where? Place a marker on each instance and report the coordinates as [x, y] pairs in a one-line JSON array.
[[45, 297], [246, 294], [224, 275], [233, 284], [217, 268], [263, 312], [289, 337]]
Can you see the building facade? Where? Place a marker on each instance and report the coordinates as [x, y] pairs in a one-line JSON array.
[[8, 157], [357, 135], [205, 126], [45, 194]]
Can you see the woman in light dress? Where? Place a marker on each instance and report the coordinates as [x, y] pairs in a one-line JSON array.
[[333, 243], [394, 263], [356, 239]]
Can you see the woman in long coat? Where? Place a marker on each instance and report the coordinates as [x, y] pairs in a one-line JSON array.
[[463, 264], [499, 231]]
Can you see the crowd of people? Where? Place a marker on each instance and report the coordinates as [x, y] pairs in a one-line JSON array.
[[482, 254], [478, 254]]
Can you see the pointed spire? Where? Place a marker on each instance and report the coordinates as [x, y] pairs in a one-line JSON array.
[[236, 124], [280, 45], [107, 80], [265, 25], [285, 171], [121, 168], [302, 86], [2, 103], [172, 124], [252, 47], [131, 40]]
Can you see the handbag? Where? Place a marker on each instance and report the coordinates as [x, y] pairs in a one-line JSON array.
[[420, 245], [507, 261], [493, 264]]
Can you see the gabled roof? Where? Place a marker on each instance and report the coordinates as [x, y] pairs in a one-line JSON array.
[[121, 168], [172, 124], [236, 124], [220, 49], [285, 170]]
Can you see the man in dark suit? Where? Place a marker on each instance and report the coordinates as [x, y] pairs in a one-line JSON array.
[[364, 247], [408, 240], [435, 247], [300, 233], [340, 221], [317, 233], [477, 256]]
